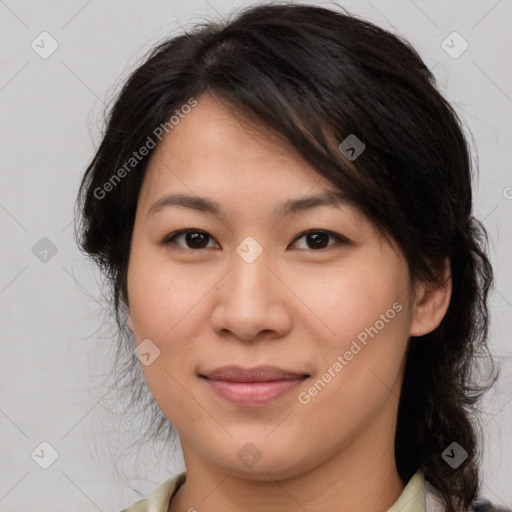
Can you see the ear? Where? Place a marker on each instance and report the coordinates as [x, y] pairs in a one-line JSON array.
[[129, 322], [431, 303]]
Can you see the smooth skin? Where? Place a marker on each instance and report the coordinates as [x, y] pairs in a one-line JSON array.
[[296, 306]]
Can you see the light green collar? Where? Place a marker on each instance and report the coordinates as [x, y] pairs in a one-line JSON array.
[[412, 498]]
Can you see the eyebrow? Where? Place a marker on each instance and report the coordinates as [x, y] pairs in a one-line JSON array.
[[206, 205]]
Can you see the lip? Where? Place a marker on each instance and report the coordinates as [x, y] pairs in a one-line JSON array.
[[263, 373], [250, 387]]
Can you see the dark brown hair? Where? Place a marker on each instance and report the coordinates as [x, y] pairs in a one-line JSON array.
[[316, 76]]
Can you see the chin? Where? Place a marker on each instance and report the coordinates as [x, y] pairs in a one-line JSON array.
[[262, 459]]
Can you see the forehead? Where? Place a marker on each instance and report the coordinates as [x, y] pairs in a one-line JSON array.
[[238, 163], [216, 147], [214, 131]]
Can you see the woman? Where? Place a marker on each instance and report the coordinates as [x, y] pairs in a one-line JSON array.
[[299, 375]]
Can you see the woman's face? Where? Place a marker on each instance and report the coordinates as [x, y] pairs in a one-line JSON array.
[[331, 311]]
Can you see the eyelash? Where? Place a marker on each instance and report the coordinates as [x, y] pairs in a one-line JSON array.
[[170, 239]]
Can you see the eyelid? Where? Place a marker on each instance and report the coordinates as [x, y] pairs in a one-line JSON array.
[[169, 239]]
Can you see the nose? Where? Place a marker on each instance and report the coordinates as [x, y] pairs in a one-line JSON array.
[[252, 301]]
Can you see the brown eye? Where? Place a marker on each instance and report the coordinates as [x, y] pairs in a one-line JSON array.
[[194, 239], [318, 239]]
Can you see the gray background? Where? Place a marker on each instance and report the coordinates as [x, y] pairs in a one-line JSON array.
[[51, 352]]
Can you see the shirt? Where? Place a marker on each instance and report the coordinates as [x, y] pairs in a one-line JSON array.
[[412, 499], [417, 496]]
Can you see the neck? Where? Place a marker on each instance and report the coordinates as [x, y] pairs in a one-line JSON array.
[[362, 477]]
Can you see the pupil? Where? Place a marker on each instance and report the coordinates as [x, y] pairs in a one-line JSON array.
[[317, 242], [194, 239]]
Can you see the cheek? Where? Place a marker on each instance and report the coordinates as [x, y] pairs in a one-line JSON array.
[[357, 380], [162, 308], [157, 298], [366, 317], [355, 298]]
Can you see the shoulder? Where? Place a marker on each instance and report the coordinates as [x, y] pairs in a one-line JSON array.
[[435, 503], [483, 505], [159, 500]]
